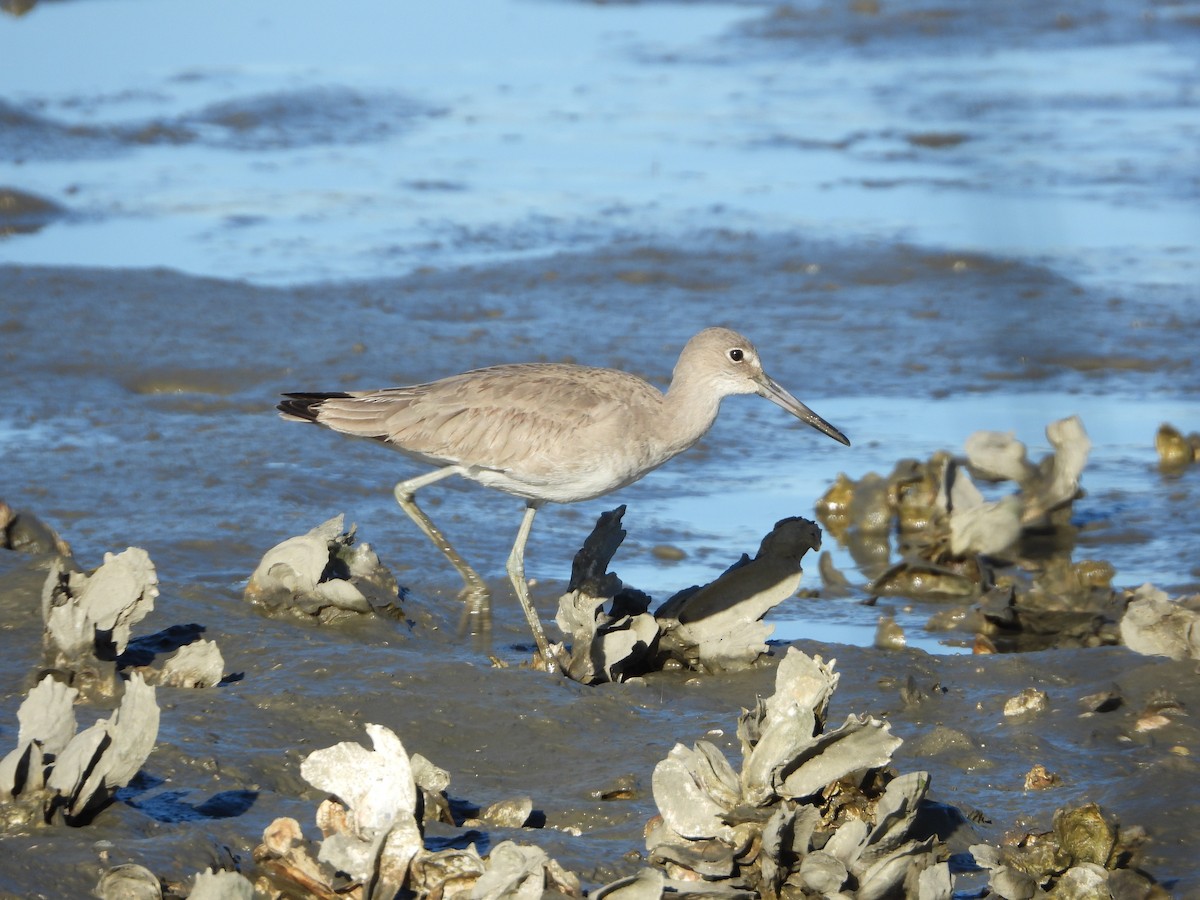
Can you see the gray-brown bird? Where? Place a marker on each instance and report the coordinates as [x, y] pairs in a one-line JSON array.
[[548, 432]]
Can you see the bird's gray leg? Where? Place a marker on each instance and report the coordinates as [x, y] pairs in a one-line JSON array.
[[475, 592], [516, 574]]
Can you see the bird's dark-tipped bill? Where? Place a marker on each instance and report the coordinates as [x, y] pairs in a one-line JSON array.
[[770, 389]]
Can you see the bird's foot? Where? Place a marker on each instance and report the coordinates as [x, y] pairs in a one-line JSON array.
[[476, 618], [553, 659]]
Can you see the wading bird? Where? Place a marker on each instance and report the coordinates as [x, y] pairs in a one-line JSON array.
[[548, 432]]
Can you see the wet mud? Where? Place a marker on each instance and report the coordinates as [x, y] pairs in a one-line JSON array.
[[227, 761], [137, 421]]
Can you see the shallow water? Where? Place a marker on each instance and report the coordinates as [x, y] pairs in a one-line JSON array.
[[371, 143], [930, 224]]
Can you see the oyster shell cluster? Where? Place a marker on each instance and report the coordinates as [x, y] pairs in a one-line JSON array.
[[373, 826], [88, 618], [56, 773], [1084, 855], [1006, 563], [813, 811], [324, 575], [717, 627], [89, 621]]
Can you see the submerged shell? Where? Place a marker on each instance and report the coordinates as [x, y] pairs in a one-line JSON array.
[[1085, 835], [508, 813], [26, 533], [129, 882], [921, 578], [889, 635], [196, 665], [833, 508], [1174, 450], [1030, 700]]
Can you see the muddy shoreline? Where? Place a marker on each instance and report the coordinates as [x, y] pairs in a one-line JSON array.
[[138, 436], [227, 760]]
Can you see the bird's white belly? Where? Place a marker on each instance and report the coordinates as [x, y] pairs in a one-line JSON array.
[[566, 486]]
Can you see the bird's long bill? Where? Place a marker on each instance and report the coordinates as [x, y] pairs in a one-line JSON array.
[[772, 391]]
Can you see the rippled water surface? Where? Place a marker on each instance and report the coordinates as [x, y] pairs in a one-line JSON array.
[[380, 139]]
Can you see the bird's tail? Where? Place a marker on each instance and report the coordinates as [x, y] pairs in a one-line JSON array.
[[305, 407]]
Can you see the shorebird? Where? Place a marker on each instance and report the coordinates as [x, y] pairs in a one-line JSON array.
[[548, 432]]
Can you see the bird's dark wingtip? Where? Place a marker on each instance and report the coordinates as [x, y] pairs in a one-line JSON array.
[[305, 407]]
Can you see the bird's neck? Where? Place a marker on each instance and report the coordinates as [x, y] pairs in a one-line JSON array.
[[689, 410]]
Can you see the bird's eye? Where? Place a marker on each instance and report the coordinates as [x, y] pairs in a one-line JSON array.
[[736, 354]]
